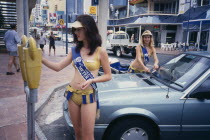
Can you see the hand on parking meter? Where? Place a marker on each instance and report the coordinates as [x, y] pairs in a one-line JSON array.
[[21, 56], [33, 58]]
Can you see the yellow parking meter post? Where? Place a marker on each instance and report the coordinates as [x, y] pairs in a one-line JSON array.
[[33, 65], [32, 58], [21, 56]]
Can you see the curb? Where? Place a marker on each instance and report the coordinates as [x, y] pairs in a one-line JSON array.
[[41, 104]]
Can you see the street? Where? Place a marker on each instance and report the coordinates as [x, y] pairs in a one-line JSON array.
[[51, 118]]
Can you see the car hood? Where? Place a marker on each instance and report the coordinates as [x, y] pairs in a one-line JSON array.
[[128, 87]]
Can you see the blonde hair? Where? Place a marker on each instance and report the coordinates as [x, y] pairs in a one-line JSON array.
[[151, 43]]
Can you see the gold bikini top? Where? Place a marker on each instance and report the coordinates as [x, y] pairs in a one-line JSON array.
[[93, 64]]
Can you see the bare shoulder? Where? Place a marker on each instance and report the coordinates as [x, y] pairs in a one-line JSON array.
[[102, 52]]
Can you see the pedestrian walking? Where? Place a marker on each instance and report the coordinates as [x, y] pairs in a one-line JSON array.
[[11, 40], [144, 50], [36, 37], [86, 57], [52, 43], [42, 41]]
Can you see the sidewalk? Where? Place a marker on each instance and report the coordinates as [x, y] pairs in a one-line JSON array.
[[13, 122], [173, 52]]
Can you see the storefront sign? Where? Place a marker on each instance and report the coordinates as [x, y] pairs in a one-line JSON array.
[[53, 17], [156, 27]]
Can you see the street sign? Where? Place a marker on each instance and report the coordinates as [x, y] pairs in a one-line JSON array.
[[61, 21], [93, 10]]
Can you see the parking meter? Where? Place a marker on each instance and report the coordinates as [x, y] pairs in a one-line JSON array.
[[21, 57], [33, 65]]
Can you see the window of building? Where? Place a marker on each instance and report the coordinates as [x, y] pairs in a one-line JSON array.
[[204, 40], [171, 27], [203, 2], [140, 8], [170, 38], [122, 12], [206, 2], [44, 12], [56, 7], [166, 7]]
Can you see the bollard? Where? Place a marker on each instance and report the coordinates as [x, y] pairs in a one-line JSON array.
[[30, 62]]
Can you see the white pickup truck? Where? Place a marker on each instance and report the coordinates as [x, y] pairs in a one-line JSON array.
[[120, 44]]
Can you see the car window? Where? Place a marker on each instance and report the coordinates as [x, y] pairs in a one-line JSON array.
[[204, 88], [181, 71]]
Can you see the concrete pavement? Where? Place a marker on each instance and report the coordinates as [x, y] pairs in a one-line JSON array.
[[12, 97]]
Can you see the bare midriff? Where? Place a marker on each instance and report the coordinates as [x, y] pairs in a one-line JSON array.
[[78, 80]]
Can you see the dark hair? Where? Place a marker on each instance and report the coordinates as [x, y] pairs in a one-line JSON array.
[[91, 33], [13, 26]]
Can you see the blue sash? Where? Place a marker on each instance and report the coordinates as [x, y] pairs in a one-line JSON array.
[[145, 54], [86, 74]]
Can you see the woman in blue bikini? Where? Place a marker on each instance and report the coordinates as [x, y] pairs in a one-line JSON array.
[[143, 51]]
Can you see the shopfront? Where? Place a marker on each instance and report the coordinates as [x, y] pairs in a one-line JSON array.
[[198, 33]]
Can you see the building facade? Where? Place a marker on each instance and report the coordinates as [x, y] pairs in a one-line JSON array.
[[169, 21]]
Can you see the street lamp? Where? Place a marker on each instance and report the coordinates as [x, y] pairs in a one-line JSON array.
[[188, 34]]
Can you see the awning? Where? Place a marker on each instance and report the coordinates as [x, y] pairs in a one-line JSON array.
[[133, 2]]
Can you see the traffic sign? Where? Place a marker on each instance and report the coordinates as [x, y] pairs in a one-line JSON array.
[[93, 10], [61, 21]]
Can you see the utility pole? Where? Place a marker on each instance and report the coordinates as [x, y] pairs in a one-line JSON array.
[[26, 17], [102, 20], [66, 26]]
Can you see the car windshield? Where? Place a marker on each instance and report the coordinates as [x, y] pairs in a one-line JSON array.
[[182, 70]]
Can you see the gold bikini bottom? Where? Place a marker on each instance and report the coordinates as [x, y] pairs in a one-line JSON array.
[[79, 97], [132, 69]]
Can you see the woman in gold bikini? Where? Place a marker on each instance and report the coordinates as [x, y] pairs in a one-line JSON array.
[[143, 51], [82, 101]]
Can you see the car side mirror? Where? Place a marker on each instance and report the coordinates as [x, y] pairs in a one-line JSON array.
[[201, 95]]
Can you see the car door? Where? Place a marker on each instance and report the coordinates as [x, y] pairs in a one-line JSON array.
[[196, 113]]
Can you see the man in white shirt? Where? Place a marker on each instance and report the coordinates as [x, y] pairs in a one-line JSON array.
[[42, 41]]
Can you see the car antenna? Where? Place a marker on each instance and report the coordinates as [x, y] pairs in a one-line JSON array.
[[167, 95]]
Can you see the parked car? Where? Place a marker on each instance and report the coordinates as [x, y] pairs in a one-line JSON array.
[[120, 44], [171, 103], [70, 38]]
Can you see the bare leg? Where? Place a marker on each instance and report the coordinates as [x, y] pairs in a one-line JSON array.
[[49, 50], [88, 115], [75, 113], [16, 64], [11, 61]]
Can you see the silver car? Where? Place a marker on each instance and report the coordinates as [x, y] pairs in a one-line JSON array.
[[170, 103]]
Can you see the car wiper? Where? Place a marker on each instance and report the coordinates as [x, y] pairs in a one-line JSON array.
[[172, 82]]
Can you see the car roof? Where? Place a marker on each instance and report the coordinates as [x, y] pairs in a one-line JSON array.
[[199, 53]]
